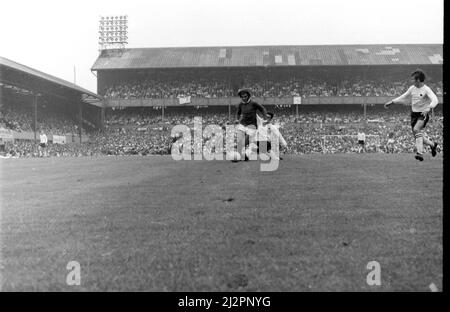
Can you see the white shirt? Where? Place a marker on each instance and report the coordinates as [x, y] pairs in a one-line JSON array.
[[361, 136], [422, 99], [43, 138], [269, 132], [262, 129]]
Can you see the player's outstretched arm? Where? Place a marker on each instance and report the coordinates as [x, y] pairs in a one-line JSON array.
[[386, 105], [400, 99]]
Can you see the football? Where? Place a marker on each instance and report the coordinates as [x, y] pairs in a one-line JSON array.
[[234, 156]]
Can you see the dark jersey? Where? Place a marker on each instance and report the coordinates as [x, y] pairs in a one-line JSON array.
[[248, 112]]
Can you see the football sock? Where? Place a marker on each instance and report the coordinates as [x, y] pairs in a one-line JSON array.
[[419, 142], [427, 141], [273, 155]]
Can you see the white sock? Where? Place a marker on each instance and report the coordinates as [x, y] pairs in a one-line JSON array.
[[273, 155], [419, 142]]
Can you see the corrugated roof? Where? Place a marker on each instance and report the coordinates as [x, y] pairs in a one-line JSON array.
[[386, 54], [34, 72]]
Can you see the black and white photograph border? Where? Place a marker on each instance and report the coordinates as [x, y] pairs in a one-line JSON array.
[[236, 148]]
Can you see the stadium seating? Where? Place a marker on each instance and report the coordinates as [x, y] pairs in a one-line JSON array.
[[216, 88], [132, 133], [19, 119], [142, 131]]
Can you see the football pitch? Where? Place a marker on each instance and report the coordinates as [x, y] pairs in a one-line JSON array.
[[155, 224]]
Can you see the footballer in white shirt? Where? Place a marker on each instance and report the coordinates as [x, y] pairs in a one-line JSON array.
[[267, 134], [361, 142], [43, 140], [390, 143], [422, 99]]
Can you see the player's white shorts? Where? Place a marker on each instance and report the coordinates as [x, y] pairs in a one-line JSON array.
[[250, 130]]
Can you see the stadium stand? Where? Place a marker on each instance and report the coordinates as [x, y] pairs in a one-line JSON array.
[[134, 132], [260, 56], [287, 88], [345, 80], [33, 102]]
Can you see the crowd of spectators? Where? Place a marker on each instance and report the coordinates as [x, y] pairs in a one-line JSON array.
[[129, 141], [21, 120], [210, 88], [168, 89], [16, 119], [30, 149], [312, 131], [342, 138]]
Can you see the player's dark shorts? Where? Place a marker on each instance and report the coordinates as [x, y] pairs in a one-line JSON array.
[[361, 142], [264, 145], [415, 116], [43, 145]]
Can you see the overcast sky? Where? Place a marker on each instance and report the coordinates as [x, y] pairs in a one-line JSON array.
[[54, 36]]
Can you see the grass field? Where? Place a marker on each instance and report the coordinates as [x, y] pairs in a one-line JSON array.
[[154, 224]]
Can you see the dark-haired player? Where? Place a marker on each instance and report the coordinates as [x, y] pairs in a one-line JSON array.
[[422, 100], [246, 119]]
